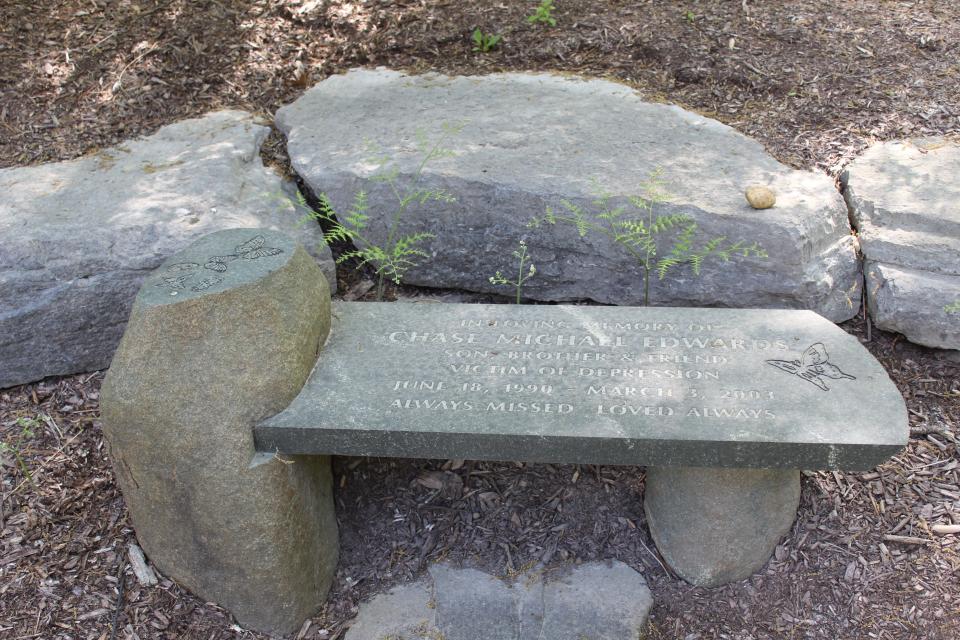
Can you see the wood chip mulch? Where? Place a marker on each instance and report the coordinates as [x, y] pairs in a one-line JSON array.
[[813, 80], [872, 555]]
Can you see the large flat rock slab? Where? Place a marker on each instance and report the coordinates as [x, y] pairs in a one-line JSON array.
[[603, 385], [904, 200], [530, 141], [78, 238]]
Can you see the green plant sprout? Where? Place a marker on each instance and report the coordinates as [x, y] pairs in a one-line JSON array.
[[482, 43], [544, 14], [521, 255], [15, 447], [953, 308], [639, 234], [399, 253]]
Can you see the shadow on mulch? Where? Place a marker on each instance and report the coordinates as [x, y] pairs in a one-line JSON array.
[[813, 80]]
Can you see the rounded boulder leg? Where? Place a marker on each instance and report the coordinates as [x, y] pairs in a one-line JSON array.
[[223, 335], [715, 526]]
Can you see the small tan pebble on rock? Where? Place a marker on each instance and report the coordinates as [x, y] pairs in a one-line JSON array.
[[761, 197]]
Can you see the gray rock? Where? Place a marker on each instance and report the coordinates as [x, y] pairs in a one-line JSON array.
[[597, 601], [222, 335], [531, 140], [913, 302], [77, 238], [469, 601], [903, 198], [406, 612], [715, 526]]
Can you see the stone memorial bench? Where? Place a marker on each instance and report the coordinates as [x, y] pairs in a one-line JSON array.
[[237, 379]]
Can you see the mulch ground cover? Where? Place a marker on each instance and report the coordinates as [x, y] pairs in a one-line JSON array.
[[814, 81], [867, 556]]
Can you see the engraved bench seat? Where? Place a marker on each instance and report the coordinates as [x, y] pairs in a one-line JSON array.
[[602, 385]]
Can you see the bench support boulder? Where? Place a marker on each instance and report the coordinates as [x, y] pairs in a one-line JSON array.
[[217, 341], [715, 526]]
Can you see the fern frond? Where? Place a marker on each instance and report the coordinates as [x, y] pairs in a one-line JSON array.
[[611, 214], [639, 203], [404, 257], [654, 188], [684, 242], [633, 227], [665, 264], [350, 255], [357, 215], [572, 207], [338, 233], [408, 243], [666, 222], [579, 219], [427, 195], [754, 250], [602, 195], [696, 260]]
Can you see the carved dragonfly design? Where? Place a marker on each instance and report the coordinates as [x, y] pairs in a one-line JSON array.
[[179, 275], [813, 366]]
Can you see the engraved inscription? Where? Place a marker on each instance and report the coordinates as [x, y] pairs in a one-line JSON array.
[[667, 370]]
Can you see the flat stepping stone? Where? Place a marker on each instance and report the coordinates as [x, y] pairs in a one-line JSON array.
[[597, 385], [600, 601], [903, 198], [406, 612], [531, 141], [77, 238]]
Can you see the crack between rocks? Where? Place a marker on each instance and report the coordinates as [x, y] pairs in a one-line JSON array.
[[543, 610]]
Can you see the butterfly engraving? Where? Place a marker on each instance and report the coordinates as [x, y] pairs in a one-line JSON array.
[[812, 365], [249, 250], [174, 282], [176, 275], [206, 283]]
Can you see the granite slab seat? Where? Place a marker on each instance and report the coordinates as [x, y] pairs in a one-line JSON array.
[[601, 385], [221, 434]]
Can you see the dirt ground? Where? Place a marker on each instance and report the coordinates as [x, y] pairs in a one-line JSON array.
[[814, 81]]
